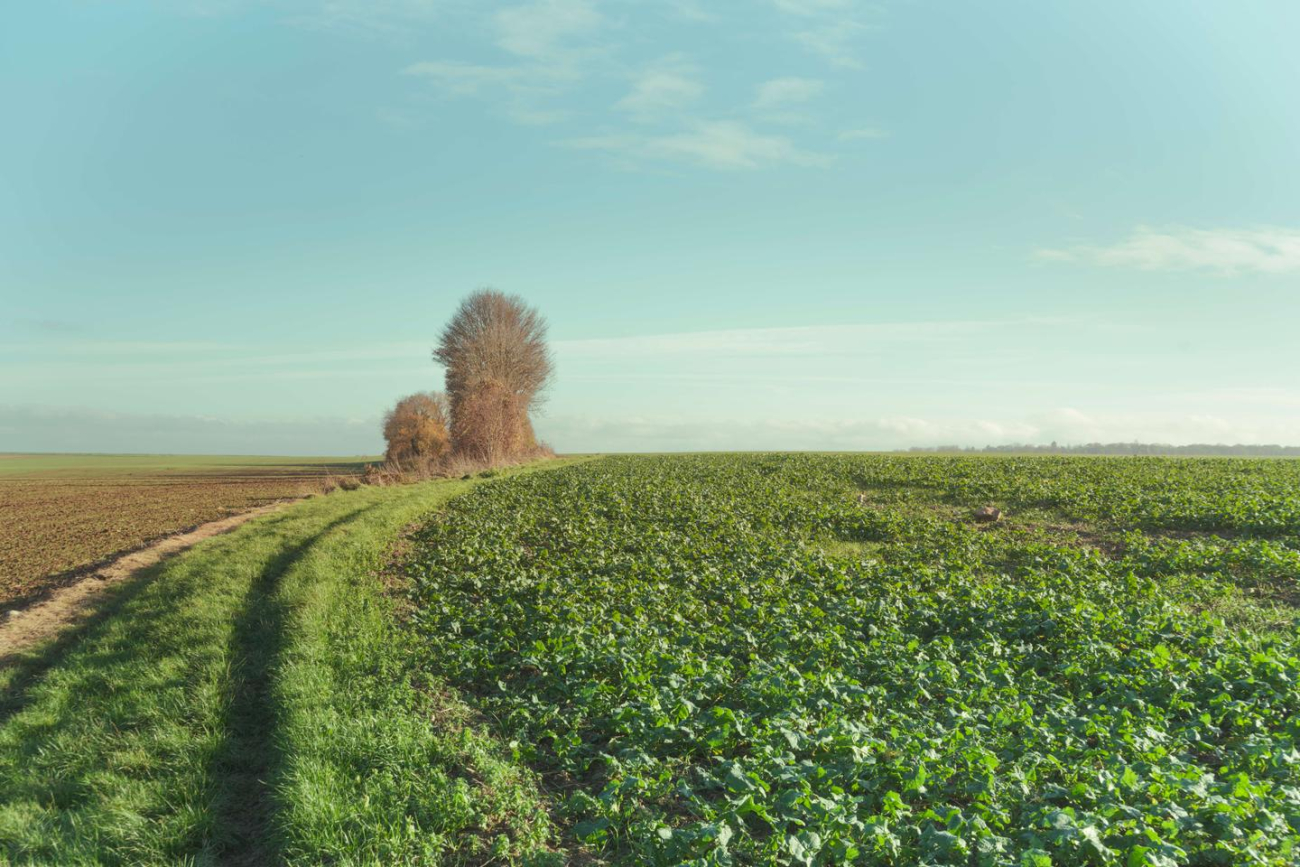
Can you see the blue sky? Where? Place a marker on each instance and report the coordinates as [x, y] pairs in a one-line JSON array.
[[238, 227]]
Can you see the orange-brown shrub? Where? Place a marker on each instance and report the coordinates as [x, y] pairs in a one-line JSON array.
[[490, 425], [416, 430]]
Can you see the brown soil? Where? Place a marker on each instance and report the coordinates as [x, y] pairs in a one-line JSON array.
[[67, 606]]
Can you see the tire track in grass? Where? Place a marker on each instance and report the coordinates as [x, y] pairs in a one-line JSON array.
[[61, 608], [23, 669], [245, 813], [251, 702], [112, 750], [384, 764]]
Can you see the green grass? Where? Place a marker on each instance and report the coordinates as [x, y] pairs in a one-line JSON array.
[[251, 702], [384, 765]]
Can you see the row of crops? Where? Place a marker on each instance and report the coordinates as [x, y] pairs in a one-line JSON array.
[[1255, 497], [797, 659]]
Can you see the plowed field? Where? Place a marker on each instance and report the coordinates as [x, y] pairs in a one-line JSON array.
[[64, 513]]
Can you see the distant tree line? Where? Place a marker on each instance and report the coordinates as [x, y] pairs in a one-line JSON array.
[[1133, 448], [497, 367]]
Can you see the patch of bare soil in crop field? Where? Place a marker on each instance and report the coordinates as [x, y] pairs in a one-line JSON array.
[[1063, 533], [67, 606]]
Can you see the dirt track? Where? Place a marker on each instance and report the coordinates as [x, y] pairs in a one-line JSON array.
[[68, 606]]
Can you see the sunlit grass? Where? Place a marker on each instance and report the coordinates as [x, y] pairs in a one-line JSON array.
[[251, 702]]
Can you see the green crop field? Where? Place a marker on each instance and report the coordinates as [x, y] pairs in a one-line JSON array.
[[822, 660], [782, 659]]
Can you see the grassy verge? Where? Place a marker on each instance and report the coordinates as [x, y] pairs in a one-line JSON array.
[[382, 767], [250, 702]]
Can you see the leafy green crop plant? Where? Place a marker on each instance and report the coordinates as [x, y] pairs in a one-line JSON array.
[[804, 659]]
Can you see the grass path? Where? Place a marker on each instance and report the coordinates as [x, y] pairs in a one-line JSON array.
[[251, 702]]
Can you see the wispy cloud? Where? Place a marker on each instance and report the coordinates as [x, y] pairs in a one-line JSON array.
[[836, 42], [1066, 425], [193, 358], [719, 144], [28, 427], [680, 433], [78, 429], [691, 10], [370, 17], [457, 78], [49, 324], [552, 53], [813, 7], [816, 340], [830, 28], [544, 30], [523, 93], [782, 92], [1263, 250], [863, 133], [668, 85], [1264, 397], [549, 43]]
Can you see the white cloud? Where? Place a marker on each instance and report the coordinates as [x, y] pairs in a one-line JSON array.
[[549, 49], [681, 433], [691, 10], [667, 85], [389, 18], [1263, 249], [528, 115], [77, 429], [814, 340], [456, 78], [523, 93], [1071, 425], [829, 28], [835, 42], [712, 144], [73, 429], [868, 132], [203, 361], [813, 7], [1068, 426], [1263, 397], [541, 30], [781, 92]]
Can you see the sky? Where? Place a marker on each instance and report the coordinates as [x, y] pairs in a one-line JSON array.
[[238, 227]]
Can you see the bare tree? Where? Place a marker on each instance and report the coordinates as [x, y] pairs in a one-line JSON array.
[[416, 429], [498, 366]]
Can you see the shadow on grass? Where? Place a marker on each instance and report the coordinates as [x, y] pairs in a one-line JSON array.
[[130, 624], [249, 756], [25, 668]]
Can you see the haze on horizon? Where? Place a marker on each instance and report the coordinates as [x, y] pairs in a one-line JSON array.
[[237, 227]]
